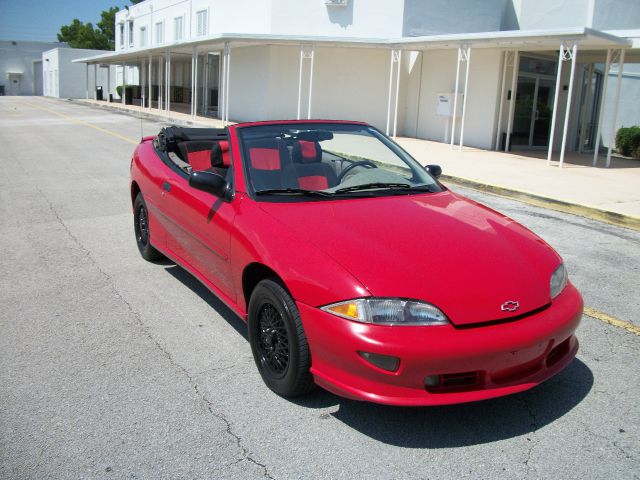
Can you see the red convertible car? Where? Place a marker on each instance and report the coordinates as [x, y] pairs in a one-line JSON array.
[[354, 267]]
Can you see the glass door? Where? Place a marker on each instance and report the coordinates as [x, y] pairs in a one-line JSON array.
[[523, 112], [532, 114], [542, 115]]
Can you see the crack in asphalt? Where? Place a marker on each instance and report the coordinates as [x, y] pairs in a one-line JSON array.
[[245, 455], [533, 439]]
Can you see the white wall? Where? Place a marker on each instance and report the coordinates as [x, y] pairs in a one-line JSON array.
[[61, 78], [249, 84], [628, 111], [438, 76], [360, 18], [18, 57], [549, 14]]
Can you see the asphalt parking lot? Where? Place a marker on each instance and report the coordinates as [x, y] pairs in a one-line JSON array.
[[112, 367]]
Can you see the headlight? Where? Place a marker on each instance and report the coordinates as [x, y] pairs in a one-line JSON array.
[[388, 311], [558, 281]]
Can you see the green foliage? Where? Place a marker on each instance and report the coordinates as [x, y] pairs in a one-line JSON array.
[[84, 35], [628, 141]]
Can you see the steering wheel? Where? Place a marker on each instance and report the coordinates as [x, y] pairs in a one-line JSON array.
[[359, 163]]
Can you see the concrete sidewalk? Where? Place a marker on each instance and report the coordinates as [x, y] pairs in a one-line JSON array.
[[606, 194], [610, 194]]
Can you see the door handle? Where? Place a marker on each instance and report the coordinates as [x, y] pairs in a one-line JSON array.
[[166, 186]]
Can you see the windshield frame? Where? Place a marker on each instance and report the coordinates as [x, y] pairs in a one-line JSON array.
[[282, 197]]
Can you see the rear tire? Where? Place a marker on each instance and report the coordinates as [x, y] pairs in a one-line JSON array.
[[278, 342], [141, 228]]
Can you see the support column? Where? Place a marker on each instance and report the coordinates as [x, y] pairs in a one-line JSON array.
[[466, 55], [222, 83], [395, 113], [313, 51], [142, 85], [167, 101], [561, 55], [109, 83], [226, 82], [300, 81], [150, 78], [505, 63], [596, 148], [193, 62], [124, 84], [390, 90], [160, 83], [567, 113], [588, 80], [86, 73], [195, 83], [396, 58], [616, 102], [307, 52], [205, 82], [512, 100], [455, 98]]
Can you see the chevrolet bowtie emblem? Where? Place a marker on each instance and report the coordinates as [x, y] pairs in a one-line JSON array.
[[510, 306]]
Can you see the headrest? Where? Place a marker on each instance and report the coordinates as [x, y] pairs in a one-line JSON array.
[[264, 158], [307, 152], [220, 154], [197, 145]]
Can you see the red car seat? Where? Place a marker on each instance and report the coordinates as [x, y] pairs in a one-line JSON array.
[[197, 153], [307, 168]]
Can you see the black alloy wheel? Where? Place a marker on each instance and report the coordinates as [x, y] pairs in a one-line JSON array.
[[278, 342], [141, 228], [273, 342]]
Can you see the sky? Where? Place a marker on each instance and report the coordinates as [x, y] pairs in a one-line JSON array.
[[40, 20]]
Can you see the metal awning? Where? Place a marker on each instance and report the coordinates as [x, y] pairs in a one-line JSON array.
[[530, 40]]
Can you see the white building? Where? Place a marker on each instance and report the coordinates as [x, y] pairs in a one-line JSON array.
[[519, 66], [62, 78], [21, 66]]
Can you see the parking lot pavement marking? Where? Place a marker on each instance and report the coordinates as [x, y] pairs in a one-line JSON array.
[[86, 124], [616, 322]]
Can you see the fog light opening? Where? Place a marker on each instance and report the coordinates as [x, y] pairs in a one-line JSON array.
[[384, 362], [432, 381]]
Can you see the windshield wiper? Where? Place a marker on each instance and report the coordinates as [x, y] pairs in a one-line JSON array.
[[385, 186], [293, 192]]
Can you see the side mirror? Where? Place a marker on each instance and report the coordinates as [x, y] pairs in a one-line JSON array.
[[209, 182], [434, 170]]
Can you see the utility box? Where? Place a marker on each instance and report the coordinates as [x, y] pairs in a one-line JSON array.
[[445, 103]]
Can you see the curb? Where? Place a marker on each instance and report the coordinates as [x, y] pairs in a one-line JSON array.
[[139, 114], [613, 218]]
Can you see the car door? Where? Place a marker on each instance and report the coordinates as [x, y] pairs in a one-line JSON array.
[[199, 230]]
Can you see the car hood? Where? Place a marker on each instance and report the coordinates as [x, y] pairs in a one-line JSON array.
[[441, 248]]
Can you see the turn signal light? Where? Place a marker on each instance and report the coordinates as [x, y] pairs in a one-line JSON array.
[[385, 362]]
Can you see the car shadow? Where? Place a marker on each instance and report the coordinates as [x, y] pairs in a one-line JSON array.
[[465, 424], [214, 302], [435, 427]]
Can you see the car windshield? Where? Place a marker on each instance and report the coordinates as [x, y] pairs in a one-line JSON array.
[[315, 161]]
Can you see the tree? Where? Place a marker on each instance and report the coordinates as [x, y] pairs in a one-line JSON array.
[[85, 35]]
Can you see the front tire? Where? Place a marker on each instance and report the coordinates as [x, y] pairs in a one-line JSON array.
[[141, 228], [278, 342]]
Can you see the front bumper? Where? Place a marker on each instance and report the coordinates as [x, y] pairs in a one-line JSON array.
[[504, 358]]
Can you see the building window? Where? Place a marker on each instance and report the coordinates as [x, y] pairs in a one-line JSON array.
[[131, 34], [177, 28], [122, 35], [160, 32], [201, 22], [143, 36]]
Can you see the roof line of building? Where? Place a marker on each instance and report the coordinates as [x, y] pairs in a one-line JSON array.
[[499, 39]]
